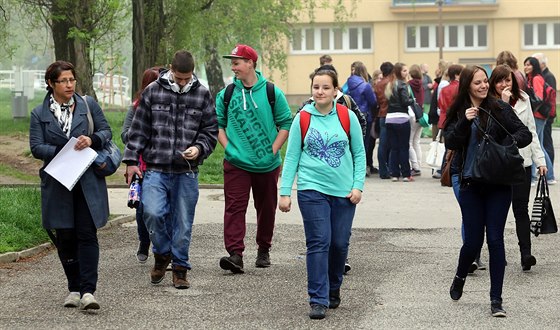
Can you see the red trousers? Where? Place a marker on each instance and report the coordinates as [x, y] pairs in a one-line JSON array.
[[237, 185]]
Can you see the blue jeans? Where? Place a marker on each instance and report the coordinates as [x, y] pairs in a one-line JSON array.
[[484, 207], [383, 150], [540, 124], [456, 189], [327, 221], [169, 197], [398, 136]]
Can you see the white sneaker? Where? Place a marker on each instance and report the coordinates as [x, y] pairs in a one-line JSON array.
[[73, 300], [88, 302], [551, 182]]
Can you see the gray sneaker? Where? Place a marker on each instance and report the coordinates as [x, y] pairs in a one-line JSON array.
[[73, 300], [88, 302]]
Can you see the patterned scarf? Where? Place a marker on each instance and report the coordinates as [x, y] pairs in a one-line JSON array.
[[63, 114]]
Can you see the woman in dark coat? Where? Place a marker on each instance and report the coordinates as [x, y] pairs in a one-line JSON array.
[[484, 206], [77, 214]]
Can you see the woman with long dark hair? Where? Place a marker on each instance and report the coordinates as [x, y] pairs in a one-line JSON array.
[[484, 206], [503, 85], [535, 82], [398, 124], [148, 77]]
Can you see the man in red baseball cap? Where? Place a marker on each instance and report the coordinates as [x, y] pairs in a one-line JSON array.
[[247, 124], [243, 51]]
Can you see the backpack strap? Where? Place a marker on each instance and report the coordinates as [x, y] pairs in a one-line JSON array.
[[227, 97], [341, 112], [304, 121], [270, 94], [344, 118]]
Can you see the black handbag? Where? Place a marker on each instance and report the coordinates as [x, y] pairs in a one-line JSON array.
[[416, 108], [496, 163], [536, 102], [542, 216]]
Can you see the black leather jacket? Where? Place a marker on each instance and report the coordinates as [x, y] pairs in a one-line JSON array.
[[457, 132]]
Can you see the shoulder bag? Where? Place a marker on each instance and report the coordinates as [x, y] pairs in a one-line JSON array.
[[434, 159], [109, 158], [496, 163], [415, 109], [446, 170], [542, 216]]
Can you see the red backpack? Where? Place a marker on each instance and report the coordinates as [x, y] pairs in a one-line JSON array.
[[343, 117], [548, 109]]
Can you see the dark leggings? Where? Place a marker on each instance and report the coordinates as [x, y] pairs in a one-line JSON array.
[[78, 248], [520, 206]]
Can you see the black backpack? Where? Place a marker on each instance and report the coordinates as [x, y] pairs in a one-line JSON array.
[[269, 94]]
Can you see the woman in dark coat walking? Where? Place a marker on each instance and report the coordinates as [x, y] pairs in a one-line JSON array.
[[75, 215]]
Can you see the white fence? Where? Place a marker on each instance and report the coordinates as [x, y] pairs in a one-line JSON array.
[[110, 89]]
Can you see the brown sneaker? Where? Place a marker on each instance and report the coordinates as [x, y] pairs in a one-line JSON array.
[[180, 277], [263, 259], [233, 263], [160, 265]]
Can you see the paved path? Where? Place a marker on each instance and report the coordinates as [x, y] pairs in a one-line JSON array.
[[404, 250]]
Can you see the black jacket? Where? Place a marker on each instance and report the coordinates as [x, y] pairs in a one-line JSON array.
[[457, 131]]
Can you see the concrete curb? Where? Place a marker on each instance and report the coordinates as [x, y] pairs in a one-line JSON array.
[[9, 257]]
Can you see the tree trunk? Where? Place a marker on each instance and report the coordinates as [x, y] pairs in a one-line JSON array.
[[148, 28], [214, 71], [139, 55], [63, 50]]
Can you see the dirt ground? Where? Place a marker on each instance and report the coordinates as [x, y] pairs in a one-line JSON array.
[[15, 153]]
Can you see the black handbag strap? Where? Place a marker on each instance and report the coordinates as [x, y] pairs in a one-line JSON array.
[[542, 187], [496, 120]]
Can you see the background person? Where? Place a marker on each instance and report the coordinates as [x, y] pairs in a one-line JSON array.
[[329, 187], [414, 151], [548, 143], [143, 236], [503, 85], [252, 135], [535, 81], [484, 206], [398, 124], [77, 214], [362, 92], [383, 103]]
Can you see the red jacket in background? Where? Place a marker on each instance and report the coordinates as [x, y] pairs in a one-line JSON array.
[[446, 98]]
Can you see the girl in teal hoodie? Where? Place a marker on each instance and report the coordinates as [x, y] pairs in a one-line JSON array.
[[330, 166]]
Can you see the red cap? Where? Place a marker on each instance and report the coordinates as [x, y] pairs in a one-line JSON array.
[[243, 51]]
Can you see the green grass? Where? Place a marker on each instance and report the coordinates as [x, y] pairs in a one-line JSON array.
[[20, 224]]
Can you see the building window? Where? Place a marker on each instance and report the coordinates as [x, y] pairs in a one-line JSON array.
[[455, 37], [309, 40], [541, 35]]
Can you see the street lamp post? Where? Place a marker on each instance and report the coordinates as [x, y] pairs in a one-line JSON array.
[[440, 29]]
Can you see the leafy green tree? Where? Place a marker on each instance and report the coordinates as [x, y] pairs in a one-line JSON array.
[[211, 28], [79, 29]]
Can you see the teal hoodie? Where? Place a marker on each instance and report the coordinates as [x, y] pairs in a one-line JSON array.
[[251, 126], [328, 163]]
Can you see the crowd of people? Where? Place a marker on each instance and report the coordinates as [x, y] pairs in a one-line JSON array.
[[175, 123]]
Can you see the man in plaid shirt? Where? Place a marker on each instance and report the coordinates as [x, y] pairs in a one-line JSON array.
[[174, 129]]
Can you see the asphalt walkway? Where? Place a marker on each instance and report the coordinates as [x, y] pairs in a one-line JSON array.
[[404, 249]]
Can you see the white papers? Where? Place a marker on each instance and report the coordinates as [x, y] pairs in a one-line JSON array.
[[69, 164]]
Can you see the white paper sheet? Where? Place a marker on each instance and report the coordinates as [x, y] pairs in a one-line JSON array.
[[69, 164]]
